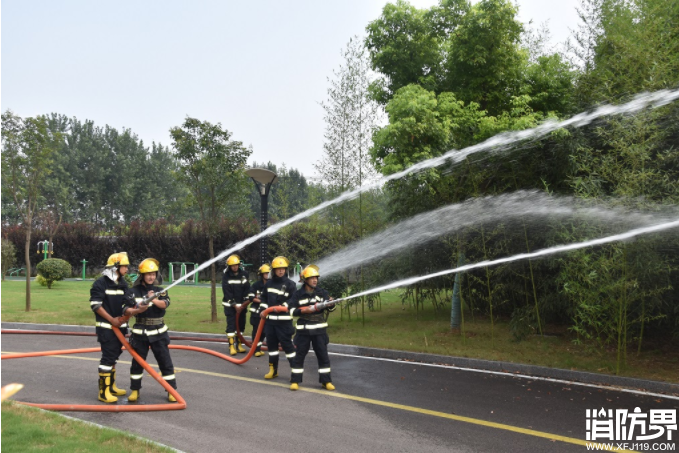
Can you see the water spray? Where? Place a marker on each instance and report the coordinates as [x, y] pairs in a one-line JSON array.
[[521, 205], [521, 256], [495, 144]]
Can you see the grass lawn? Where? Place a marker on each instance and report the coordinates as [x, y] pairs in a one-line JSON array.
[[27, 429], [393, 327]]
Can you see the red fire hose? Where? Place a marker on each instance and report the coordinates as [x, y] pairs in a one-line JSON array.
[[180, 404]]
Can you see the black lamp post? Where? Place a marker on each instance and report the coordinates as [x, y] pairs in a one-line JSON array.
[[263, 179]]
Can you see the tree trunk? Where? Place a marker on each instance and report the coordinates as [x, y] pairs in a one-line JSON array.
[[213, 281], [27, 256]]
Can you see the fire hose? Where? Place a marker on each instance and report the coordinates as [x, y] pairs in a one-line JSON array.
[[180, 404]]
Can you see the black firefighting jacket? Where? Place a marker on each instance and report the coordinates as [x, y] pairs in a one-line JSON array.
[[112, 297], [150, 324], [277, 292], [255, 291], [236, 287], [310, 323]]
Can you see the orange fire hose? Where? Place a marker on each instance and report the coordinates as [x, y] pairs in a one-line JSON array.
[[180, 404]]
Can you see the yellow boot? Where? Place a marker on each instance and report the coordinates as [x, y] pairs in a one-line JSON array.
[[232, 349], [294, 386], [328, 386], [171, 398], [273, 372], [241, 348], [114, 388], [105, 388], [259, 353], [134, 396]]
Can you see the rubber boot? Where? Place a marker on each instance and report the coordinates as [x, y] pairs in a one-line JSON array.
[[273, 372], [328, 386], [105, 388], [134, 396], [114, 389], [241, 349], [294, 386], [232, 349], [259, 353], [171, 398]]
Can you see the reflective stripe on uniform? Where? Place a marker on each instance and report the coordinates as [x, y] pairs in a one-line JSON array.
[[96, 302], [106, 325], [136, 376], [291, 355], [252, 309], [226, 304], [105, 367], [298, 370], [169, 377], [230, 334], [273, 353], [115, 292], [279, 318], [150, 332], [311, 326], [324, 370], [278, 291], [236, 282], [259, 344]]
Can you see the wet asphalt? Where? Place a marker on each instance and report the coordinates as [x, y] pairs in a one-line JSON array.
[[379, 405]]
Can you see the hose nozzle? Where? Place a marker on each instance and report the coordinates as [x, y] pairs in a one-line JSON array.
[[148, 299]]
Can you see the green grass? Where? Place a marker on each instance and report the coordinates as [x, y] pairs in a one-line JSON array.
[[394, 327], [27, 429]]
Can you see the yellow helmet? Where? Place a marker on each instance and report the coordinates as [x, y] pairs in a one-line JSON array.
[[149, 265], [118, 259], [280, 261], [265, 269], [233, 259], [310, 271]]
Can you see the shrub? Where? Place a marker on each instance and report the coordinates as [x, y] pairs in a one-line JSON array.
[[41, 280], [9, 252], [53, 269]]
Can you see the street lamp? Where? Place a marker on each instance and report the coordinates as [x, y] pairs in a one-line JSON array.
[[263, 180]]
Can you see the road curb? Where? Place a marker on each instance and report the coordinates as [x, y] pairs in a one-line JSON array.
[[406, 356]]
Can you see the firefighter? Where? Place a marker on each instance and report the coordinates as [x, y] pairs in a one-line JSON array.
[[150, 330], [255, 299], [107, 300], [278, 326], [311, 328], [236, 288]]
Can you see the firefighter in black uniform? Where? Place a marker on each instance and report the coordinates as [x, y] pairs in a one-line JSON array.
[[311, 328], [278, 326], [255, 299], [149, 330], [236, 288], [107, 297]]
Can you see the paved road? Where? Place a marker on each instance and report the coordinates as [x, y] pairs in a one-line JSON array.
[[379, 406]]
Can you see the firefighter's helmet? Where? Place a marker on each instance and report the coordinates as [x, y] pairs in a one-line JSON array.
[[118, 259], [280, 261], [149, 265], [233, 259], [310, 271], [265, 269]]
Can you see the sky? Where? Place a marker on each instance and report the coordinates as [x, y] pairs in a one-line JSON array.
[[260, 68]]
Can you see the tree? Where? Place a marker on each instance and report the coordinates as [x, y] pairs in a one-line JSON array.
[[351, 117], [212, 166], [53, 270], [27, 148]]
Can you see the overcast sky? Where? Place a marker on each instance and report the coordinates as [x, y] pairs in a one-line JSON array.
[[258, 68]]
